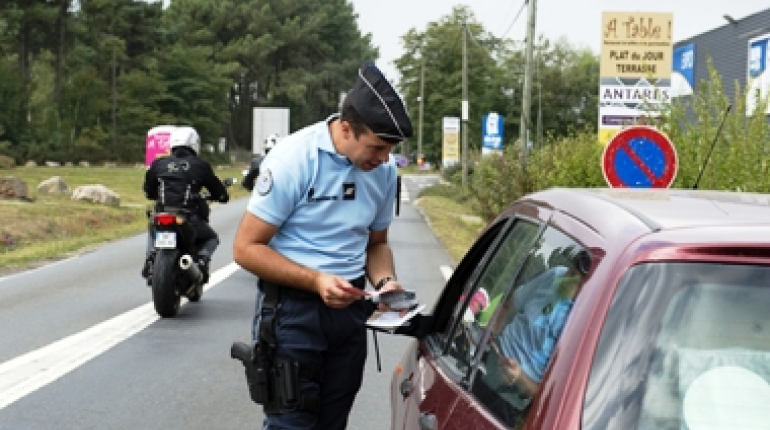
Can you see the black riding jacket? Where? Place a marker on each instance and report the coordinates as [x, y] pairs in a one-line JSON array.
[[248, 180], [176, 180]]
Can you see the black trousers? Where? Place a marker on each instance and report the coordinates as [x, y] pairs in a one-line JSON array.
[[308, 331]]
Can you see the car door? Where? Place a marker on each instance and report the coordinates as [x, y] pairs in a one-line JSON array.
[[445, 357]]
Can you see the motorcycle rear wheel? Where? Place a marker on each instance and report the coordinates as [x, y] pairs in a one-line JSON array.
[[165, 294]]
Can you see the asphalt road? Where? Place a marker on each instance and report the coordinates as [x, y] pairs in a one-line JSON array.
[[82, 348]]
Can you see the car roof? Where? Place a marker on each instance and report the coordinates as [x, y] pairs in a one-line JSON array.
[[617, 212]]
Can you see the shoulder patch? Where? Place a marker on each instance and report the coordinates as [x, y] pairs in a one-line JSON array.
[[264, 182]]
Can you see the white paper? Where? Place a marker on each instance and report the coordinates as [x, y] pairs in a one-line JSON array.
[[391, 320]]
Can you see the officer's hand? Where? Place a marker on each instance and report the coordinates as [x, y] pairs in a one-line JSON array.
[[391, 285], [337, 292]]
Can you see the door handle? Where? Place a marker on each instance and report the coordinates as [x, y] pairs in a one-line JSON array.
[[406, 387], [428, 421]]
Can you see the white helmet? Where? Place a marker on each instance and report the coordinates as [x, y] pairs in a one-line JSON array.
[[185, 136]]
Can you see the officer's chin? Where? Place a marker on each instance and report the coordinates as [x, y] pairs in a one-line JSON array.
[[367, 167]]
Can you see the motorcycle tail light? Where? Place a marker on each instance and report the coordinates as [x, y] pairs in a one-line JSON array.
[[165, 219]]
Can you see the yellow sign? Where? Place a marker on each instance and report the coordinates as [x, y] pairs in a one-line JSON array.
[[450, 142], [451, 146], [637, 44]]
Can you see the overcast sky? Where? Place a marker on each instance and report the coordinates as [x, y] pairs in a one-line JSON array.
[[578, 21]]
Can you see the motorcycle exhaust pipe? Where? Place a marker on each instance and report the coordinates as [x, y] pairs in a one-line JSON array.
[[190, 269]]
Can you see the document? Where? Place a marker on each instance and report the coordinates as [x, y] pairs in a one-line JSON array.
[[391, 320]]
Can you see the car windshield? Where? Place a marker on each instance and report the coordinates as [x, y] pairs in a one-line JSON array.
[[684, 346]]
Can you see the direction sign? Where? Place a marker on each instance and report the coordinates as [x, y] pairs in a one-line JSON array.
[[640, 157]]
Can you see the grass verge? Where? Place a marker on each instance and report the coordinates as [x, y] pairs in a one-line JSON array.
[[448, 211], [50, 226]]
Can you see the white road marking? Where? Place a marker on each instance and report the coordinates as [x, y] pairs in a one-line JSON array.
[[26, 373], [446, 271]]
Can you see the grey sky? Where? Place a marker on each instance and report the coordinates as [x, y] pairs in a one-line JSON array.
[[578, 21]]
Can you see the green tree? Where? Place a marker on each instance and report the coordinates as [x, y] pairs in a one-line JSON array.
[[737, 158], [440, 50], [291, 53], [564, 94], [566, 91]]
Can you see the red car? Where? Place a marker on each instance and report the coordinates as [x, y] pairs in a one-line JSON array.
[[600, 309]]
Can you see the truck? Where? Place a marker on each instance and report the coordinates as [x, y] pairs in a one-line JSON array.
[[268, 121]]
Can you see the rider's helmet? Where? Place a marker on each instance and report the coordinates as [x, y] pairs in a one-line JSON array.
[[187, 137], [270, 142]]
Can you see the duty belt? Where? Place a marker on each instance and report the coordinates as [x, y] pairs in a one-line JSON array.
[[274, 292]]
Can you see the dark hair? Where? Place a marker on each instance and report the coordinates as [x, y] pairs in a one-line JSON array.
[[357, 124], [351, 115]]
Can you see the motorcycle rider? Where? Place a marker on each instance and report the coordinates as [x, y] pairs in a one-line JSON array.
[[248, 180], [176, 181]]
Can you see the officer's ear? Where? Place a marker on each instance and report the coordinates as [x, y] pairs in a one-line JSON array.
[[347, 130]]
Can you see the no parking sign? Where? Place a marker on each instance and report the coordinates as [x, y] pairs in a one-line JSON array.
[[640, 157]]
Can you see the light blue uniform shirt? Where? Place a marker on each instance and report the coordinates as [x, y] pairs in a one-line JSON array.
[[324, 206]]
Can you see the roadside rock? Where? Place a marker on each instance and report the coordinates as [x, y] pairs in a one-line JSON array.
[[96, 194], [13, 188], [54, 185]]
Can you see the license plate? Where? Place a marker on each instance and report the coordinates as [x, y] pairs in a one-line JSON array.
[[165, 239]]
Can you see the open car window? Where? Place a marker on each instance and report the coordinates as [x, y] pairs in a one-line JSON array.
[[528, 319], [482, 293]]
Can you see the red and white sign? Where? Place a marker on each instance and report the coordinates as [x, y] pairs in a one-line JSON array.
[[640, 157]]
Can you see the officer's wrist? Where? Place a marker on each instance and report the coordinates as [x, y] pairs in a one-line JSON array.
[[381, 283]]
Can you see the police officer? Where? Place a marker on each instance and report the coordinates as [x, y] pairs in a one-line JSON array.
[[176, 181], [315, 228]]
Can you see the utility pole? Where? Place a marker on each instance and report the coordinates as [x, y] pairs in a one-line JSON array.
[[422, 96], [526, 99], [465, 109]]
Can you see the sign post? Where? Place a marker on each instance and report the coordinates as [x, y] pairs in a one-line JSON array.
[[640, 157]]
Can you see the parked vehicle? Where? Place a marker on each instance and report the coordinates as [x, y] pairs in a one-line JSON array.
[[600, 309], [174, 272]]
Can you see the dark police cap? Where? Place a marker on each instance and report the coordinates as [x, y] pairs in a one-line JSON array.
[[379, 105]]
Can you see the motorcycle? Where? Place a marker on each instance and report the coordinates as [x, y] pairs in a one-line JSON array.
[[174, 272]]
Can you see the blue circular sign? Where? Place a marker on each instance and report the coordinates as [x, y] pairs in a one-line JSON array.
[[640, 157]]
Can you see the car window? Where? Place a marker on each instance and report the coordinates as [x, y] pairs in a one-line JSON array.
[[483, 293], [686, 346], [524, 330]]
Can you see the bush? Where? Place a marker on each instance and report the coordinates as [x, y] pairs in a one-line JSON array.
[[7, 162], [738, 160], [572, 161]]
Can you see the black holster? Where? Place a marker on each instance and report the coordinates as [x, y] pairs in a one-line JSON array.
[[273, 383]]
